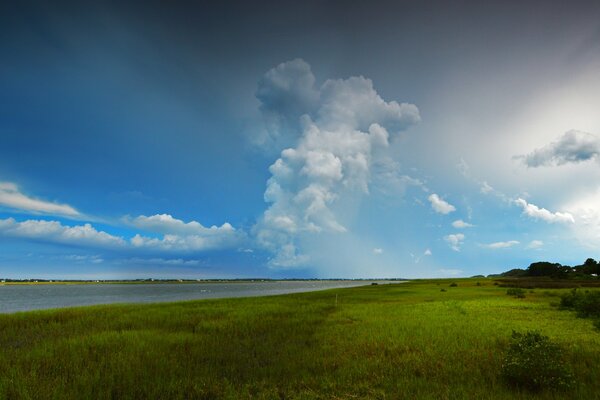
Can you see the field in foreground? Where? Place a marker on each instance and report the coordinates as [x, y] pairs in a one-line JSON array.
[[409, 340]]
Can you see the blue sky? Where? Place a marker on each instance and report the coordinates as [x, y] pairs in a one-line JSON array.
[[297, 140]]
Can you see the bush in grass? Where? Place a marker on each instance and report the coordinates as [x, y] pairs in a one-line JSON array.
[[534, 362], [516, 292], [586, 303], [453, 284]]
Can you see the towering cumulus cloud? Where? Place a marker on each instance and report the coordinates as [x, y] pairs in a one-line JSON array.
[[335, 134]]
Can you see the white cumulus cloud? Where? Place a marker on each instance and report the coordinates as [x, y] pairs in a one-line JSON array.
[[11, 196], [54, 232], [166, 224], [439, 205], [339, 131], [535, 212]]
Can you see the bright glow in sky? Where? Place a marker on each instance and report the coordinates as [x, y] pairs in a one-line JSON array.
[[305, 140]]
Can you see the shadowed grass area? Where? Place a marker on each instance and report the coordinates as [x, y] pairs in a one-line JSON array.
[[402, 341]]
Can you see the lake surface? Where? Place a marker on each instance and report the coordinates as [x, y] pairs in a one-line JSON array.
[[35, 297]]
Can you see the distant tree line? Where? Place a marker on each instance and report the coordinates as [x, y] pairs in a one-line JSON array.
[[590, 268]]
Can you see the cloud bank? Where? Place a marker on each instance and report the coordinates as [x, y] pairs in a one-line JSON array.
[[178, 236], [336, 133]]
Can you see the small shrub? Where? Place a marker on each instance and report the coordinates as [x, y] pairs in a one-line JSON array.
[[478, 284], [534, 362], [496, 283], [442, 290], [453, 284], [516, 292]]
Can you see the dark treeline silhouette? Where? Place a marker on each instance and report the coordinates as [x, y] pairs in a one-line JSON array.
[[589, 269]]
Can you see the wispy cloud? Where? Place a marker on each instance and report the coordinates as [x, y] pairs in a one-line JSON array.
[[460, 224], [12, 197], [535, 244], [501, 245], [455, 240]]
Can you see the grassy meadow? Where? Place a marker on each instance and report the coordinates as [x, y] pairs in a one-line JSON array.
[[400, 341]]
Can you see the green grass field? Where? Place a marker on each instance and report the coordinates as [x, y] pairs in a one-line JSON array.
[[400, 341]]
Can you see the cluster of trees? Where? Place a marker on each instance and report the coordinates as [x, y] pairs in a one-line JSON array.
[[590, 268]]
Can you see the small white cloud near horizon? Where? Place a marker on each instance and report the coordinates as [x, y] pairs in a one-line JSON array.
[[501, 245], [11, 197], [377, 250], [535, 244], [439, 205], [455, 240], [450, 271], [460, 224], [535, 212]]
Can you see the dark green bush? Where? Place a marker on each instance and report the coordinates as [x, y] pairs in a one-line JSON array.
[[453, 284], [534, 362], [516, 292], [586, 303], [442, 290]]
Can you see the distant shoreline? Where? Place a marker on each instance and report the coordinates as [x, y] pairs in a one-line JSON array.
[[182, 281]]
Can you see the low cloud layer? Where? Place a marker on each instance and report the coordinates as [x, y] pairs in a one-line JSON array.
[[55, 232], [11, 196], [572, 147], [178, 237], [336, 133]]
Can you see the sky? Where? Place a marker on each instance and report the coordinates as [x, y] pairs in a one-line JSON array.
[[297, 139]]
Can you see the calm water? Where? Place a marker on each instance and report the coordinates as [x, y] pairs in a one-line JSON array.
[[34, 297]]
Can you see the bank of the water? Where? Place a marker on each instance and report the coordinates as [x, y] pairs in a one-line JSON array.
[[23, 297]]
